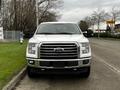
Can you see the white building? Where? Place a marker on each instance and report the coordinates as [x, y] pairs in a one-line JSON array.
[[1, 33]]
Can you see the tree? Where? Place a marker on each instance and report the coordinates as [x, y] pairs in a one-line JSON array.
[[88, 21], [4, 13], [0, 13], [83, 25], [99, 16], [21, 14], [115, 14], [49, 16]]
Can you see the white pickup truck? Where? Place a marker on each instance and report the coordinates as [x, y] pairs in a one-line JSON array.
[[58, 48]]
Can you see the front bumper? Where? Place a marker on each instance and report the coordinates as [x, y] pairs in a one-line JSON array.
[[36, 63], [63, 71]]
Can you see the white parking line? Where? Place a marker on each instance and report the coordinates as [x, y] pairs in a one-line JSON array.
[[111, 67], [107, 48]]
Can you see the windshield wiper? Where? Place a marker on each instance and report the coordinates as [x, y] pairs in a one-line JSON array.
[[45, 33], [64, 33], [55, 33]]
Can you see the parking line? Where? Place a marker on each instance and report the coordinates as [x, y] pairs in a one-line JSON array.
[[111, 67]]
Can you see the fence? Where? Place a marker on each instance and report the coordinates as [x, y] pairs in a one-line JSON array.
[[11, 35]]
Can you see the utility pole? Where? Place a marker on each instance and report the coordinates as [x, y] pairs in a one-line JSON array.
[[37, 14], [0, 4], [15, 22], [98, 30]]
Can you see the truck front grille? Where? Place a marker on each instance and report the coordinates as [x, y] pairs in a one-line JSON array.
[[58, 51]]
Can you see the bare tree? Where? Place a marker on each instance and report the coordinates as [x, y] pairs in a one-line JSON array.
[[91, 21], [88, 20], [99, 16], [4, 13], [21, 14], [0, 13], [46, 6], [115, 14]]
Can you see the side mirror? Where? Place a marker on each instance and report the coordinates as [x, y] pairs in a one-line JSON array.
[[85, 33]]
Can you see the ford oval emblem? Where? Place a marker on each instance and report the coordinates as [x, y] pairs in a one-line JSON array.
[[58, 50]]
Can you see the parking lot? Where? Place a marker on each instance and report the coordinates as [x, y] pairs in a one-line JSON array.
[[105, 72]]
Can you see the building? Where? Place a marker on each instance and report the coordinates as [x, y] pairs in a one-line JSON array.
[[117, 28], [1, 33]]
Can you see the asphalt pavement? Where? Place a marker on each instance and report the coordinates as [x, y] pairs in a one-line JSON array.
[[105, 72]]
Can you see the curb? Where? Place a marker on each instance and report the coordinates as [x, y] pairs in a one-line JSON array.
[[15, 80]]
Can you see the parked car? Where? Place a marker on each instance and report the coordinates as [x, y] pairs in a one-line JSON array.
[[58, 48]]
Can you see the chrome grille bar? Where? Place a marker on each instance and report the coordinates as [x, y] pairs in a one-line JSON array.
[[58, 51]]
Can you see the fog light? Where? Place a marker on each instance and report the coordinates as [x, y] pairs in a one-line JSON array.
[[85, 61], [31, 62], [42, 69], [75, 69]]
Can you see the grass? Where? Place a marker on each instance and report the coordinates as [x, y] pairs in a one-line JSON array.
[[12, 60]]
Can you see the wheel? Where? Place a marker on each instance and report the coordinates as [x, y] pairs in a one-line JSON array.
[[87, 73], [30, 73]]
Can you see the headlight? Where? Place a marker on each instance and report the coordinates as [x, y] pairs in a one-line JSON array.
[[31, 48], [85, 48]]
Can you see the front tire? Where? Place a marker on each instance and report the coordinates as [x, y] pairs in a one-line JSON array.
[[30, 73], [87, 73]]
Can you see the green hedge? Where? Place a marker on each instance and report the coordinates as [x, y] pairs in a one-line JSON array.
[[106, 35]]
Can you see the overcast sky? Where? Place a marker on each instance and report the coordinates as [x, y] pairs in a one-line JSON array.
[[75, 10]]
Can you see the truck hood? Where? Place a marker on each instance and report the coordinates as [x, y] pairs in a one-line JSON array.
[[55, 38]]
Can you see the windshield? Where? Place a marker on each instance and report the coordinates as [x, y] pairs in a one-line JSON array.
[[58, 29]]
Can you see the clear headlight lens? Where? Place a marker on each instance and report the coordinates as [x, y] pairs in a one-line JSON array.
[[85, 48], [31, 48]]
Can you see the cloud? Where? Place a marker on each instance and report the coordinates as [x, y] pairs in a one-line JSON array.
[[74, 10], [75, 15]]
